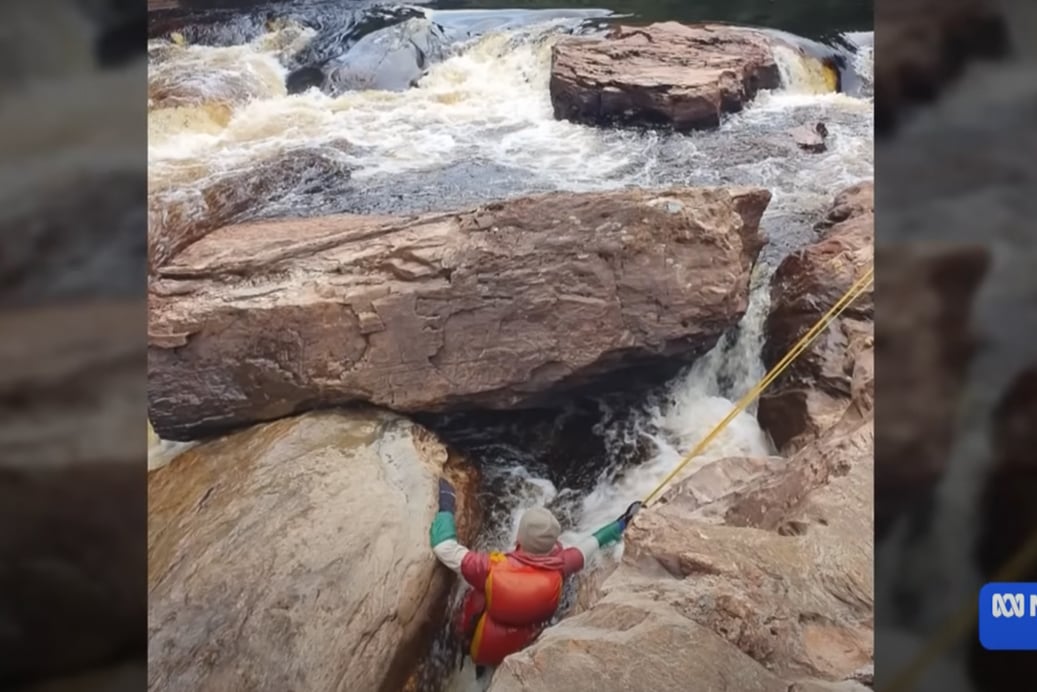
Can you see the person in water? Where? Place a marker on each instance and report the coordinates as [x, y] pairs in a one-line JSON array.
[[513, 595]]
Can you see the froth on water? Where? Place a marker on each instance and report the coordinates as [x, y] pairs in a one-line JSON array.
[[487, 104]]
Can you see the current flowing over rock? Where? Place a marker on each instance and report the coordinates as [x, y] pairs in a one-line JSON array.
[[489, 307]]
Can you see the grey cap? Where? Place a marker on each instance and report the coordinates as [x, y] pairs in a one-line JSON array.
[[538, 531]]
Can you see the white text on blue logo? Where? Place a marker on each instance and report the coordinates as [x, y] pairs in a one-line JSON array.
[[1012, 605]]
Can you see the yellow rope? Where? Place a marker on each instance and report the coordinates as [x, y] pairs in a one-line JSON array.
[[851, 294]]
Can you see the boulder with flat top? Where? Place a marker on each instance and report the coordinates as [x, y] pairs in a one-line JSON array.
[[498, 307], [664, 74]]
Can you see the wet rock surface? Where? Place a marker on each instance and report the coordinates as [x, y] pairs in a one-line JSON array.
[[810, 137], [815, 389], [748, 573], [491, 307], [685, 77], [391, 59], [294, 555]]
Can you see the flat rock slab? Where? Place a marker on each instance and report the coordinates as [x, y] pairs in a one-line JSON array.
[[665, 74], [491, 308]]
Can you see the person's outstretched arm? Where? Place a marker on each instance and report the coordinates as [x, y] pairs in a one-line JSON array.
[[580, 554], [472, 565]]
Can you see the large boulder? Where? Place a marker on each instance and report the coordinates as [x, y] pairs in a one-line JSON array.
[[925, 347], [72, 516], [294, 555], [814, 390], [668, 74], [494, 307], [751, 574]]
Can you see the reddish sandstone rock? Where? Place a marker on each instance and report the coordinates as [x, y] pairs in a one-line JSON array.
[[663, 74], [814, 391], [493, 307], [181, 215], [751, 574]]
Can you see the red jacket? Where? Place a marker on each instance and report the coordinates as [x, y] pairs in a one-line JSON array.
[[523, 592]]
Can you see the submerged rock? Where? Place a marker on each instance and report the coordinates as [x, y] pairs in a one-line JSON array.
[[810, 138], [662, 74], [816, 388], [391, 59], [294, 555], [495, 307]]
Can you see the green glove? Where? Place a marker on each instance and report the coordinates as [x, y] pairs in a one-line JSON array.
[[611, 533], [608, 534], [442, 529]]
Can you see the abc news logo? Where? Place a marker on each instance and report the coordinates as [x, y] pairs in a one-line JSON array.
[[1013, 605]]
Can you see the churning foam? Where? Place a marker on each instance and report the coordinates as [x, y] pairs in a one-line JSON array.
[[488, 102]]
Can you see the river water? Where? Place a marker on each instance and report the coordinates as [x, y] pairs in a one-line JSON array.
[[226, 139]]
